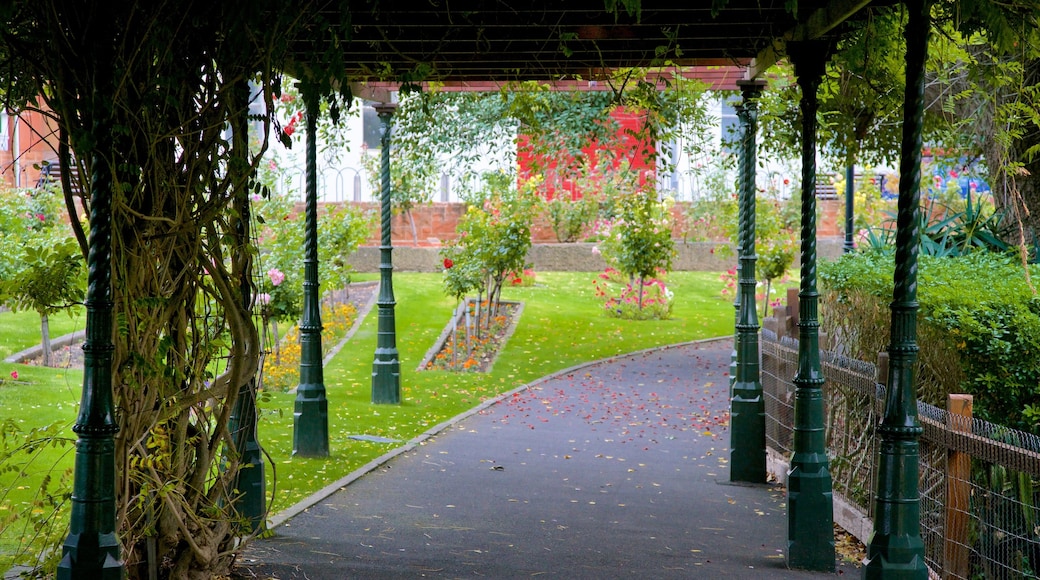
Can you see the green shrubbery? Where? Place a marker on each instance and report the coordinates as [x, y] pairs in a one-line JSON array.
[[978, 327]]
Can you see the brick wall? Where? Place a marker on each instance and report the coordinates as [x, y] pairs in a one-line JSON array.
[[435, 223]]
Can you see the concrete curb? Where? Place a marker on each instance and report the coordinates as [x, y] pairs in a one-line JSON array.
[[35, 351]]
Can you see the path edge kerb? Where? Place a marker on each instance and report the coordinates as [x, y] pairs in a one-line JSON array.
[[323, 493]]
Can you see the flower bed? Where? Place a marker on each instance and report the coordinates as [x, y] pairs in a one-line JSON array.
[[461, 347]]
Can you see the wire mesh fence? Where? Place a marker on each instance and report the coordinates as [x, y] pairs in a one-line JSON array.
[[979, 482]]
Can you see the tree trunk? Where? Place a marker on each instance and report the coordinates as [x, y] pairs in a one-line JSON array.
[[411, 220], [275, 340], [45, 334]]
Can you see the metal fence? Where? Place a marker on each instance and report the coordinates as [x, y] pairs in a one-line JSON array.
[[979, 481]]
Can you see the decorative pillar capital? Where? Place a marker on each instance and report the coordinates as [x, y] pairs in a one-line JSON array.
[[751, 88], [810, 57], [385, 109]]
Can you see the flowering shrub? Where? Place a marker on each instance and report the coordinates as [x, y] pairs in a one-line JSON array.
[[494, 237], [524, 278], [27, 215], [651, 300], [570, 217], [729, 283], [638, 241]]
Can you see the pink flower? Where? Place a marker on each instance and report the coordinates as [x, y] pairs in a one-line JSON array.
[[263, 298], [595, 250], [276, 276], [14, 375], [41, 217]]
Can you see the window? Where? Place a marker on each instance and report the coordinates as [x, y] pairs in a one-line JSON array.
[[372, 127], [730, 126], [5, 135]]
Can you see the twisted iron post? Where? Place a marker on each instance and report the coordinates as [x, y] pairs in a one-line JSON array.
[[91, 549], [386, 368], [810, 523], [748, 433], [895, 549], [850, 201], [250, 499], [311, 414]]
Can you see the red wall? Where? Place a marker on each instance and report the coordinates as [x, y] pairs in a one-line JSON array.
[[560, 172]]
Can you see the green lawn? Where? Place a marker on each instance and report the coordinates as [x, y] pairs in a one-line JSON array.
[[563, 324], [21, 330]]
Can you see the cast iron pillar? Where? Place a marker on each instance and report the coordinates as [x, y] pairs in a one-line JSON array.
[[747, 408], [311, 415], [386, 369], [810, 521], [895, 549], [91, 550], [736, 333], [249, 486], [850, 201]]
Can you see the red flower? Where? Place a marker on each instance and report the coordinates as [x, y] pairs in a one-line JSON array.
[[448, 263], [289, 130]]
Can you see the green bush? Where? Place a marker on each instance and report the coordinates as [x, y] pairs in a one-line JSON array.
[[978, 327]]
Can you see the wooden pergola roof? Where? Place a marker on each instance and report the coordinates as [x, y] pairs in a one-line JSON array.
[[470, 43]]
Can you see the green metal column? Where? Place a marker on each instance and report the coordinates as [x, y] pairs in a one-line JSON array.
[[896, 550], [311, 416], [850, 201], [386, 369], [747, 408], [91, 550], [736, 333], [250, 487], [810, 522]]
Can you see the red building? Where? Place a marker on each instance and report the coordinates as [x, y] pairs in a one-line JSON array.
[[27, 140]]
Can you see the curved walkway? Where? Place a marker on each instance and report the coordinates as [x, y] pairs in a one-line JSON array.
[[617, 469]]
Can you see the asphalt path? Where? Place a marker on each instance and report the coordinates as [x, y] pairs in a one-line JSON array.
[[617, 469]]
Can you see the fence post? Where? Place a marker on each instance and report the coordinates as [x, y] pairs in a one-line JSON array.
[[792, 308], [958, 491]]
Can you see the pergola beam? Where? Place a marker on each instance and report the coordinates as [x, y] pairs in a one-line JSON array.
[[819, 23]]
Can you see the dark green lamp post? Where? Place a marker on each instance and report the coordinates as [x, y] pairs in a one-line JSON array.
[[748, 432], [386, 369], [311, 415], [895, 549], [91, 550], [810, 521]]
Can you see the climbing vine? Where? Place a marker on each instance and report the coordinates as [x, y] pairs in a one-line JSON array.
[[161, 112]]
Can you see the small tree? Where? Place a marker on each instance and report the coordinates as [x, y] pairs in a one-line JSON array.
[[51, 281], [638, 241], [462, 275]]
